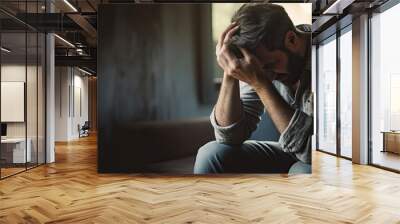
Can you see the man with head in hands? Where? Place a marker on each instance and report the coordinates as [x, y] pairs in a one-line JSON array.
[[266, 63]]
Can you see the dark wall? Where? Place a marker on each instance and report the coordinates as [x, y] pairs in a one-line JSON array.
[[148, 70], [147, 53]]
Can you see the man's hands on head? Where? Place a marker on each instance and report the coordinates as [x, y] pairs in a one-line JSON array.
[[247, 69]]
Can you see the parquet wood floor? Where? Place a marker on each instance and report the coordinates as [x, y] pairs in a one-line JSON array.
[[71, 191]]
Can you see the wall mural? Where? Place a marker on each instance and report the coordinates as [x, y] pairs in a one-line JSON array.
[[183, 90]]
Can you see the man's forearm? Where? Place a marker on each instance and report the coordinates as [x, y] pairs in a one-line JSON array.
[[279, 111], [228, 109]]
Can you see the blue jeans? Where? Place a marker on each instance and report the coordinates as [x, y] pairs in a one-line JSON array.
[[250, 157]]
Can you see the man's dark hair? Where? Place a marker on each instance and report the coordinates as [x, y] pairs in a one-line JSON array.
[[261, 23]]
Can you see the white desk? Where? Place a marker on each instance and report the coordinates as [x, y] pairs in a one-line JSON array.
[[18, 150]]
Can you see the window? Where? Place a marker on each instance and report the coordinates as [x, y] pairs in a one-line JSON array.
[[394, 101], [346, 92], [334, 94], [385, 88], [326, 104]]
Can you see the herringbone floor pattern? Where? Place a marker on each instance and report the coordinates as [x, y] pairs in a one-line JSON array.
[[71, 191]]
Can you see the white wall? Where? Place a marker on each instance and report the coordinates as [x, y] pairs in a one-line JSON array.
[[12, 73], [61, 103], [70, 83], [16, 73], [80, 87]]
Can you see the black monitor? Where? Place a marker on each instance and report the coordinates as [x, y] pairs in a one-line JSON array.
[[3, 129]]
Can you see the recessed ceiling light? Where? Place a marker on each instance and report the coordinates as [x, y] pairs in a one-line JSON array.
[[70, 5], [84, 71], [65, 41], [337, 7], [5, 50]]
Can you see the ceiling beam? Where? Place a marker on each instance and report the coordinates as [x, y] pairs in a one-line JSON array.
[[84, 24], [75, 15], [83, 61]]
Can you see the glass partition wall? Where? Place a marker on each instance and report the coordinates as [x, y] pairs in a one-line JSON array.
[[334, 94], [22, 88]]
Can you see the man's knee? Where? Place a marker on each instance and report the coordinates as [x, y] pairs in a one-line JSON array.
[[210, 158]]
